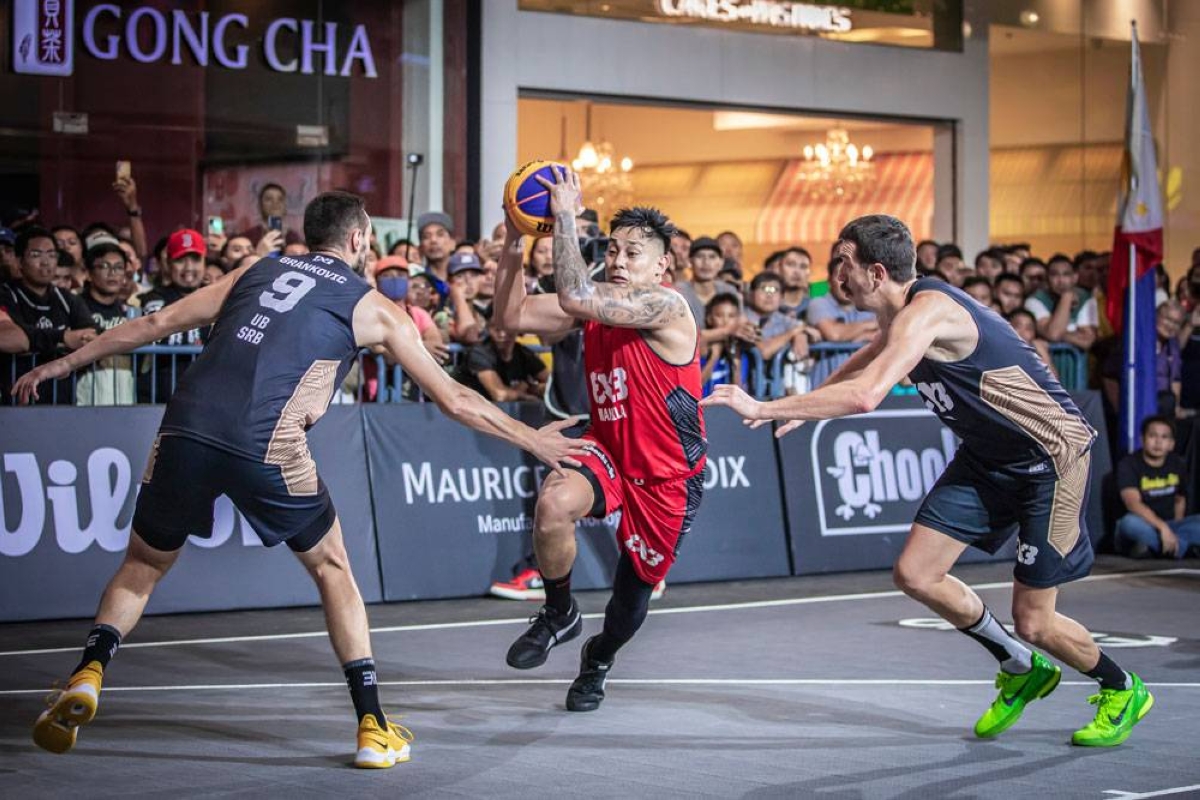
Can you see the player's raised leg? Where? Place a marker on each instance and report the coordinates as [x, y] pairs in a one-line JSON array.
[[381, 743], [121, 607], [564, 499]]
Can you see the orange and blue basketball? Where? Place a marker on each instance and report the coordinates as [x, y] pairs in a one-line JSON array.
[[528, 201]]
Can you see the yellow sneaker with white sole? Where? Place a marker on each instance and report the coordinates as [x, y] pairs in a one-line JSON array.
[[58, 726], [380, 749]]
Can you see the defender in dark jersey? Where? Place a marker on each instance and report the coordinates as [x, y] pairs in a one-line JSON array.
[[287, 331], [646, 445], [1022, 468]]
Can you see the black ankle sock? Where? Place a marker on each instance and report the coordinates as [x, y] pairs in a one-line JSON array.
[[364, 691], [1108, 674], [558, 592], [102, 644]]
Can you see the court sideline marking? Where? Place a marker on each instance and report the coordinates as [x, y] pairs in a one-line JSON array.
[[733, 682], [524, 620], [1118, 794]]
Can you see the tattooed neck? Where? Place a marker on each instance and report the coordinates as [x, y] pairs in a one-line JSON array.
[[570, 270]]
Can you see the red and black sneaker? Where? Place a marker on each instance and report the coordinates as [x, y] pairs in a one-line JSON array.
[[525, 585]]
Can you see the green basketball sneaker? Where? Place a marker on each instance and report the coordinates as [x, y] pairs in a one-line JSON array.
[[1119, 710], [1016, 691]]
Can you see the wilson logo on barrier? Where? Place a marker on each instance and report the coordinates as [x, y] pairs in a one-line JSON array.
[[873, 473], [29, 499]]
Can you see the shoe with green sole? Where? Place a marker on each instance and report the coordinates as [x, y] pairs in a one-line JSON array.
[[1016, 692], [1118, 711]]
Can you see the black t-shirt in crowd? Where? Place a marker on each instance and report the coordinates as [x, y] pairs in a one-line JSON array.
[[45, 318], [105, 316], [523, 366], [1159, 485], [160, 374]]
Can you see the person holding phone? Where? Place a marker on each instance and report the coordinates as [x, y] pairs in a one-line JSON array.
[[272, 234]]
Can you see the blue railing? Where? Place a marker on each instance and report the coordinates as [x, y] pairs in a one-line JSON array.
[[150, 374]]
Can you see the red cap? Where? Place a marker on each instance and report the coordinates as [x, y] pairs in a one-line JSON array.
[[180, 243], [391, 262]]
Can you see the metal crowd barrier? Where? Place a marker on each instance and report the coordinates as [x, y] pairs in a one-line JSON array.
[[150, 374], [1070, 362]]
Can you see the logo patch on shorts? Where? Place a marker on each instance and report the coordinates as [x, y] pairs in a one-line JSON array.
[[1026, 554]]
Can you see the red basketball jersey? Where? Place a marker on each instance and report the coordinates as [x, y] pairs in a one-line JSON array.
[[645, 410]]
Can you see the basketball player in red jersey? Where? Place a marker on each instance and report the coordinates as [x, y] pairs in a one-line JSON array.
[[645, 446]]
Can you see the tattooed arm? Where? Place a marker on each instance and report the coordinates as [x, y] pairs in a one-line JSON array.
[[648, 307]]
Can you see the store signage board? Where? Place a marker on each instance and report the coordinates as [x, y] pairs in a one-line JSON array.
[[767, 13], [44, 40]]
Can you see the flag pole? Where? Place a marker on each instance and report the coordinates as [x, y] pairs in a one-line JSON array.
[[1131, 295]]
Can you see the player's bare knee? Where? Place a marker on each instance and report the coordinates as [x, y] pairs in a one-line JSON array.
[[911, 579], [1032, 626], [558, 505]]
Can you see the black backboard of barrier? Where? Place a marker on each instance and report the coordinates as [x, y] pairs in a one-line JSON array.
[[853, 485], [454, 509], [739, 530], [67, 489]]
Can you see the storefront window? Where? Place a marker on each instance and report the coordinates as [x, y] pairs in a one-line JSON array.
[[209, 101]]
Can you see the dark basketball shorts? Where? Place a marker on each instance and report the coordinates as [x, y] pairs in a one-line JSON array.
[[983, 507], [655, 515], [184, 477]]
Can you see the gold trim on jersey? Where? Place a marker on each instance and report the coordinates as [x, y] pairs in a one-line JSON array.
[[288, 448], [1065, 437]]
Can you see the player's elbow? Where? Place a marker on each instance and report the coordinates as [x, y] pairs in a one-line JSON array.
[[865, 398]]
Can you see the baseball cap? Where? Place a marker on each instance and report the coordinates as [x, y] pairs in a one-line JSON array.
[[100, 236], [463, 262], [434, 218], [185, 241], [7, 236], [391, 262], [704, 243]]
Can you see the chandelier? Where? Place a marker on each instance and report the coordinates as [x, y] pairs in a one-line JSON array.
[[606, 180], [837, 169]]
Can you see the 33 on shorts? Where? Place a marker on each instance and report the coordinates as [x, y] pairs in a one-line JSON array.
[[983, 507], [184, 477], [655, 515]]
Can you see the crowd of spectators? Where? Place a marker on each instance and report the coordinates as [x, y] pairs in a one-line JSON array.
[[60, 287]]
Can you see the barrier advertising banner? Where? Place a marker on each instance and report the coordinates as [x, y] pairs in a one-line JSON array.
[[67, 488], [853, 485]]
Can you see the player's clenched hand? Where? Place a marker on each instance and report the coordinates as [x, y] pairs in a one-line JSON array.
[[555, 450], [25, 389], [733, 397], [565, 192]]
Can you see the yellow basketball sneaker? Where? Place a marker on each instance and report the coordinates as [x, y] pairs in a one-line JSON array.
[[57, 727], [380, 749], [1118, 710]]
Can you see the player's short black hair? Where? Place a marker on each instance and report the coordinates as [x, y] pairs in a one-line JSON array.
[[27, 235], [1157, 419], [330, 217], [878, 238], [649, 220]]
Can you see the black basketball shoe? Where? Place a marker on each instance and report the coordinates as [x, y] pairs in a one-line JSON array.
[[548, 628], [587, 690]]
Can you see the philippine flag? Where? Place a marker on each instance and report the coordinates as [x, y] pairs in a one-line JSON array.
[[1137, 248]]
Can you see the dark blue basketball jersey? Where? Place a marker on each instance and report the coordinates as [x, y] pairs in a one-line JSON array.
[[1001, 400], [280, 348]]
